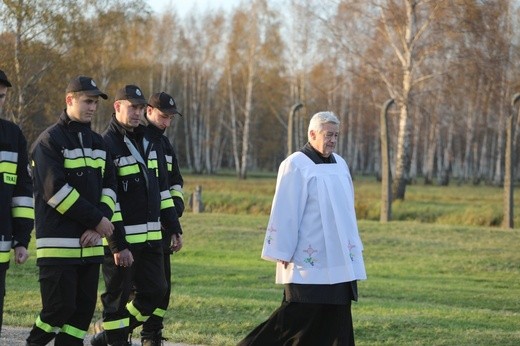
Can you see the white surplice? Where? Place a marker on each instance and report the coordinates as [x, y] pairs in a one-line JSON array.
[[313, 224]]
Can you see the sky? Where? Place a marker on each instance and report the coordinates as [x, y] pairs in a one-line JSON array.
[[184, 6]]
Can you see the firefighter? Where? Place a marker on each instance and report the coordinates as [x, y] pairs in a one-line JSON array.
[[75, 197], [160, 112], [16, 200], [134, 255]]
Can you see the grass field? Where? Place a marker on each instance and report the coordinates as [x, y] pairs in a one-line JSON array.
[[428, 283]]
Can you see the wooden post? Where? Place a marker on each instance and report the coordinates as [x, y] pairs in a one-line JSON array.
[[508, 220], [290, 127], [386, 190], [196, 200]]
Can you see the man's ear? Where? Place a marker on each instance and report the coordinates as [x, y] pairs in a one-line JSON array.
[[68, 99]]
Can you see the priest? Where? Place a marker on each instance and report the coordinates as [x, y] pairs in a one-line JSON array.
[[312, 236]]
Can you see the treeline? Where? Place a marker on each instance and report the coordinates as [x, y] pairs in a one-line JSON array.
[[451, 66]]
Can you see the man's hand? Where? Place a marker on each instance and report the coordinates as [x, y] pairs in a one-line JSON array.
[[20, 255], [89, 238], [123, 258], [176, 243], [105, 227]]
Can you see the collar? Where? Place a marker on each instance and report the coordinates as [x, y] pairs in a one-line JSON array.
[[138, 132], [315, 156], [72, 125]]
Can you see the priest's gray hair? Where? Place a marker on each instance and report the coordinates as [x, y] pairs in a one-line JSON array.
[[319, 119]]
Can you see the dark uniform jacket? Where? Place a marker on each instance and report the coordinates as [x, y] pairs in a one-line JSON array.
[[74, 188], [16, 200], [143, 193], [168, 160]]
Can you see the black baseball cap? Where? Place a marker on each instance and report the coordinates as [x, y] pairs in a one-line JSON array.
[[131, 93], [4, 80], [163, 102], [86, 85]]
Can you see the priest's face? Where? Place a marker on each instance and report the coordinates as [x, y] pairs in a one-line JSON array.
[[324, 141]]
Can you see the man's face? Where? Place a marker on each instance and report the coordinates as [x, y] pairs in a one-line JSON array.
[[157, 118], [3, 94], [81, 108], [324, 141], [128, 114]]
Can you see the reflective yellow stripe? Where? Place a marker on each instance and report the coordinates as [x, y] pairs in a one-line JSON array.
[[154, 235], [153, 164], [108, 201], [141, 238], [117, 217], [169, 167], [84, 162], [7, 167], [64, 198], [22, 206], [159, 312], [128, 170], [73, 331], [136, 313], [24, 212], [45, 327], [68, 201], [108, 196], [176, 193], [166, 200], [5, 256], [166, 203], [70, 253], [116, 324]]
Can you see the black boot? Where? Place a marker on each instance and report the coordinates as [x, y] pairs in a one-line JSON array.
[[99, 339], [152, 338]]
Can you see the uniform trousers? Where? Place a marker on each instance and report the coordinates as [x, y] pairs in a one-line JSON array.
[[304, 324], [146, 276], [68, 294], [154, 324], [2, 295]]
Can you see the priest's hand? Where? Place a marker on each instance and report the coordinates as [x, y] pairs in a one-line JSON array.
[[285, 263]]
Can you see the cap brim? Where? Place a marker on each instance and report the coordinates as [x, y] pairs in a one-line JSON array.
[[96, 93], [137, 101], [6, 83], [170, 111]]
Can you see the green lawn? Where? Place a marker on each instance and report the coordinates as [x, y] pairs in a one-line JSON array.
[[428, 283]]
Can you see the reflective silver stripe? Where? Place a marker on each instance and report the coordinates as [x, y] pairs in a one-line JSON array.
[[165, 194], [110, 193], [142, 228], [125, 161], [22, 202], [5, 245], [118, 207], [169, 158], [60, 242], [153, 226], [152, 155], [60, 195], [176, 188], [8, 156], [78, 153]]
